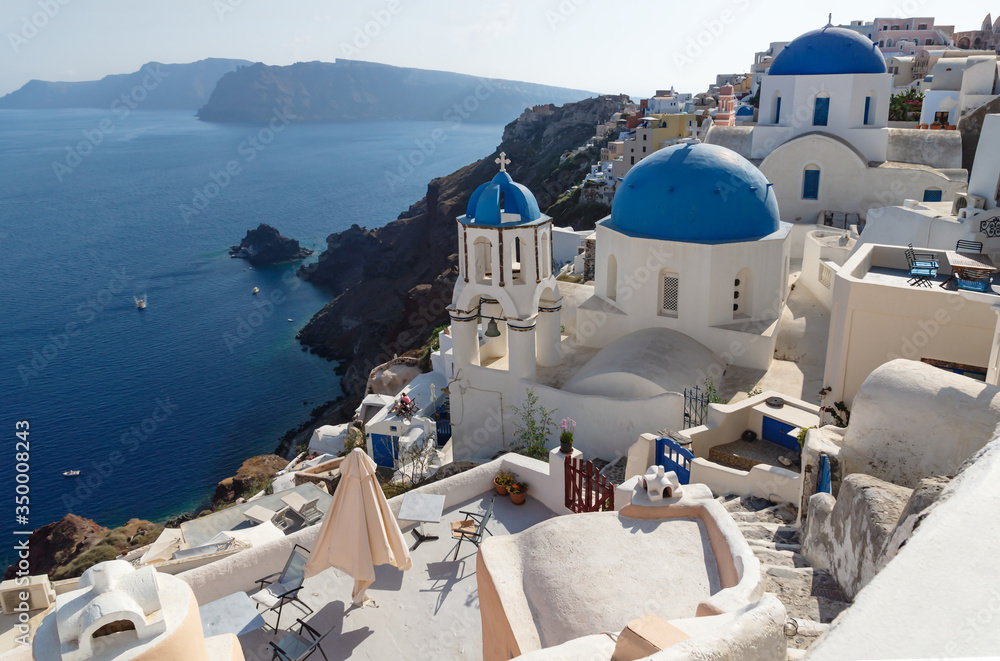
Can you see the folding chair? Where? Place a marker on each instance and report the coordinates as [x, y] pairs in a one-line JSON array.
[[473, 528], [281, 588]]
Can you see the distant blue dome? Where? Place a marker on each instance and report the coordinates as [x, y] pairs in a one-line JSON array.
[[502, 195], [827, 51], [744, 111], [695, 193]]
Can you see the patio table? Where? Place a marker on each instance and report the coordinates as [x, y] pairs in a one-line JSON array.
[[968, 266], [423, 508]]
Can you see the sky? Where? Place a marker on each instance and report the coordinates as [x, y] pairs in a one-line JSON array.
[[632, 47]]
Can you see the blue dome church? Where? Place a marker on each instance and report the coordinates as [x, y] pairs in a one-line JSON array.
[[823, 138], [695, 244]]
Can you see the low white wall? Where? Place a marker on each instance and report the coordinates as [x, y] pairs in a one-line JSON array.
[[238, 572], [770, 482]]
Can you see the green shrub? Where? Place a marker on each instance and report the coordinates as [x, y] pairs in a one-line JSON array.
[[101, 553]]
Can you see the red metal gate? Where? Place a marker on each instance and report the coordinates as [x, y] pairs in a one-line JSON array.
[[586, 489]]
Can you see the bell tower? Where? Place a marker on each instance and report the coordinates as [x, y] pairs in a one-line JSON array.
[[506, 283]]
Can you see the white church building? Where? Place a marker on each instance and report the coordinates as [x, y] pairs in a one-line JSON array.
[[690, 278], [824, 138]]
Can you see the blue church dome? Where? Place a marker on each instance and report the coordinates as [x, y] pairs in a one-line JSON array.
[[502, 195], [827, 51], [695, 193], [744, 111]]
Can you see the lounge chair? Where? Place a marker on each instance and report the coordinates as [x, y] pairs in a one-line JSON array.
[[473, 528], [278, 589], [301, 509], [258, 514], [298, 646]]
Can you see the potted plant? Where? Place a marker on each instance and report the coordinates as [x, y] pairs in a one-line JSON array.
[[566, 435], [503, 480], [517, 491]]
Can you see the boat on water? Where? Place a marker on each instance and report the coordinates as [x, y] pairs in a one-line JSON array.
[[256, 290], [140, 304], [71, 473]]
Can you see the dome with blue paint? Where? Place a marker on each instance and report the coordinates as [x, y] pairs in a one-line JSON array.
[[744, 111], [828, 51], [695, 193], [502, 202]]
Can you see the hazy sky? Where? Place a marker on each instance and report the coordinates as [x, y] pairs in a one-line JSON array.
[[633, 47]]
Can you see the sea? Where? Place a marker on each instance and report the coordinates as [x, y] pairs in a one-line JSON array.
[[155, 406]]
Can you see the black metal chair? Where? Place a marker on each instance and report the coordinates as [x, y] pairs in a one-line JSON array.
[[298, 646], [922, 259], [283, 587], [473, 528], [968, 246]]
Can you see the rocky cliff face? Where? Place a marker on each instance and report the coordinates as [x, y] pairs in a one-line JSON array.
[[253, 475], [349, 90], [72, 544], [392, 284], [265, 245]]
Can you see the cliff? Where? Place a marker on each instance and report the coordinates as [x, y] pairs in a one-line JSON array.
[[392, 284], [253, 475], [351, 90], [163, 87], [68, 547], [265, 245]]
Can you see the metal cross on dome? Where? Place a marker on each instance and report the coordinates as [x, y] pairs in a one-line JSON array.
[[503, 161]]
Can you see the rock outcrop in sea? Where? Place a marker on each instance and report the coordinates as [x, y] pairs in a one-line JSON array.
[[265, 245]]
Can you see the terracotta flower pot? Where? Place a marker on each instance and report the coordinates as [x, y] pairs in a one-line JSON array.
[[517, 498], [501, 489]]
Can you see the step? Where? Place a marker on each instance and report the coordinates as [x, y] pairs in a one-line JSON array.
[[772, 532], [773, 546], [780, 558]]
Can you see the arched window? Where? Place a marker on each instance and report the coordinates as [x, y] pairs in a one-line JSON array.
[[821, 110], [870, 109], [518, 263], [810, 182], [932, 195], [482, 253], [611, 279], [670, 290], [888, 43], [777, 108], [742, 293]]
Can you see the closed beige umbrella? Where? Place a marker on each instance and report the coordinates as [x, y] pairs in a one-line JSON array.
[[358, 531]]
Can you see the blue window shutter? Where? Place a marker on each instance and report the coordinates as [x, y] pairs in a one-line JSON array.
[[822, 111], [810, 185], [777, 111], [932, 195], [868, 107]]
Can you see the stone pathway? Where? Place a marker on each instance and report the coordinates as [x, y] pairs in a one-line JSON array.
[[810, 595]]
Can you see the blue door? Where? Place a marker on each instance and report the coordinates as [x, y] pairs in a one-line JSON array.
[[810, 185], [384, 449], [822, 111], [673, 457], [777, 432]]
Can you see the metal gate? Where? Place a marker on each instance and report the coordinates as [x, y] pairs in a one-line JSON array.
[[674, 458], [695, 407], [586, 489]]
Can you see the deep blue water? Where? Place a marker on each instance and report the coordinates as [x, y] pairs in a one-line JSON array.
[[204, 377]]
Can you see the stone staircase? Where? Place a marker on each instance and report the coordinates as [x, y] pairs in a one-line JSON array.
[[810, 595]]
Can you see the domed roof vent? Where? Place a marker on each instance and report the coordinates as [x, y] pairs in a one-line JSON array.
[[828, 51], [502, 201], [695, 193]]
